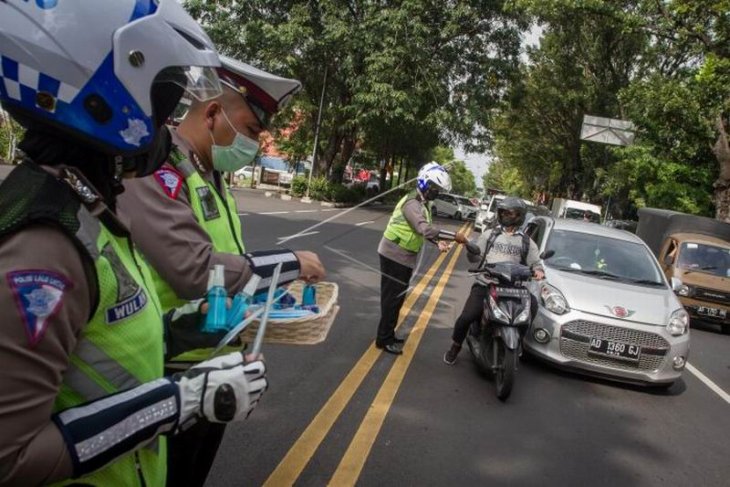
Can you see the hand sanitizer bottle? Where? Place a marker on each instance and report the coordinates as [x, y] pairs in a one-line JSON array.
[[241, 301], [215, 321]]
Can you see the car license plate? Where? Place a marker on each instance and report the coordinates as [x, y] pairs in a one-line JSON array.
[[713, 312], [610, 348]]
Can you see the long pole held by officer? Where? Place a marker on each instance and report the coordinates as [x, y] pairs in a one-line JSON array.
[[84, 392]]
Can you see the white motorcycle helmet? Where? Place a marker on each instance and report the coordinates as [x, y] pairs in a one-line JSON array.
[[433, 178], [105, 72]]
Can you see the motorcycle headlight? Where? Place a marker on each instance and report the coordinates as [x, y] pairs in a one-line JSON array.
[[553, 300], [678, 323], [524, 316], [496, 311]]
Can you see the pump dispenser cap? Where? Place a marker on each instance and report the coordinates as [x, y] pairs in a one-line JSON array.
[[218, 276], [253, 283]]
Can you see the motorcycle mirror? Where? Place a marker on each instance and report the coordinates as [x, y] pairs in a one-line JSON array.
[[547, 254]]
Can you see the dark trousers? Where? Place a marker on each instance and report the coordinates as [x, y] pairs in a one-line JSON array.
[[190, 454], [393, 285], [473, 309], [471, 313]]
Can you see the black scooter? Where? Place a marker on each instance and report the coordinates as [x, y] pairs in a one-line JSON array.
[[496, 342]]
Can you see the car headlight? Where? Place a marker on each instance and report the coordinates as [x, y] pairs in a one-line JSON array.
[[496, 311], [685, 290], [678, 323], [553, 300]]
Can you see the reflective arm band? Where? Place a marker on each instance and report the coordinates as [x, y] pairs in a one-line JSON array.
[[264, 262], [101, 431]]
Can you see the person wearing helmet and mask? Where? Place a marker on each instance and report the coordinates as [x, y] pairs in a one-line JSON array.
[[185, 221], [506, 243], [409, 225], [84, 394]]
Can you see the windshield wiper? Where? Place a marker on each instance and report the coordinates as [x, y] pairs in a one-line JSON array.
[[601, 274], [648, 282]]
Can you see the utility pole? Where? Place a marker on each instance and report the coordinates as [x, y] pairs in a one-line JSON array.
[[306, 198]]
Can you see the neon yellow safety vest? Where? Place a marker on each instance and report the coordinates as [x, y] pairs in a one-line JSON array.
[[400, 232], [122, 345], [218, 217]]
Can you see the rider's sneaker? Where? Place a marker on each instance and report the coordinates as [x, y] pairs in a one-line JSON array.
[[450, 356]]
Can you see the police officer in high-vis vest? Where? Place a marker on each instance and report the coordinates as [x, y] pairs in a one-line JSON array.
[[184, 220], [408, 228], [81, 337]]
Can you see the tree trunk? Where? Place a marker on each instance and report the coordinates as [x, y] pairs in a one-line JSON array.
[[329, 153], [400, 172], [722, 185]]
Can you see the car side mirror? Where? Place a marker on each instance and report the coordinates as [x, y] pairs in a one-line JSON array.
[[676, 284], [547, 254]]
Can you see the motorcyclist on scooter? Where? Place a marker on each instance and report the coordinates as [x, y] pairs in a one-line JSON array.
[[505, 243]]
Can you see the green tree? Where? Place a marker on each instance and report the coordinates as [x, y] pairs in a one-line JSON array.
[[678, 96], [506, 178], [10, 134], [584, 60], [401, 75]]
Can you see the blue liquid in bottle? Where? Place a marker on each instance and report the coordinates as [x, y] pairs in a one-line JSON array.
[[215, 320]]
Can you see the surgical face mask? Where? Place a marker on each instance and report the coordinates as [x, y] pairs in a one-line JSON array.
[[231, 158]]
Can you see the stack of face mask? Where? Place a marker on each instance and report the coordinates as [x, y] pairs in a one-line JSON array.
[[286, 307]]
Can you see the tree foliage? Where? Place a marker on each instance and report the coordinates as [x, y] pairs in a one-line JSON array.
[[462, 179], [662, 65], [402, 76]]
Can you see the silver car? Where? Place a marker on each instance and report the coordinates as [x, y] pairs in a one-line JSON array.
[[454, 206], [605, 307]]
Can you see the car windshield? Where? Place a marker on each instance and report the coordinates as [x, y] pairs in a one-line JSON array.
[[464, 201], [705, 258], [603, 258], [576, 214]]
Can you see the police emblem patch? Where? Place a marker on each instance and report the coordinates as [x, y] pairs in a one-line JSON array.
[[131, 298], [38, 295], [170, 181], [207, 202]]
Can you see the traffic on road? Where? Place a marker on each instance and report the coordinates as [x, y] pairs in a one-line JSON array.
[[371, 418]]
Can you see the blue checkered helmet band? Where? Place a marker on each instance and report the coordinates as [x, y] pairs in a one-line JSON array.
[[108, 73], [127, 127]]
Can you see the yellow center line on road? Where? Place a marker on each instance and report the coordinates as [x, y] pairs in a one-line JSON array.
[[299, 455], [348, 471]]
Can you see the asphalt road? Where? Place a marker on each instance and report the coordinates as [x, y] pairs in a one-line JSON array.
[[343, 413]]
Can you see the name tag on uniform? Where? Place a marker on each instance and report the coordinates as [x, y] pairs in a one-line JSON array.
[[207, 203]]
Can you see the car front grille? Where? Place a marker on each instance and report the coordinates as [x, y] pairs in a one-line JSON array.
[[575, 338], [712, 295]]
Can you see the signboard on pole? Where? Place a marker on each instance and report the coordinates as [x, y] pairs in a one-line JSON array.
[[607, 130]]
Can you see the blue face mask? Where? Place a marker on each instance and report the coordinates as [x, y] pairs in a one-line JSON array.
[[231, 158]]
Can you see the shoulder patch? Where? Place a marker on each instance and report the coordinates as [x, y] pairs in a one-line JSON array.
[[170, 181], [39, 296]]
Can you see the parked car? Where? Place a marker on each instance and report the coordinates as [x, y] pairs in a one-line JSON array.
[[605, 306], [246, 172], [454, 206]]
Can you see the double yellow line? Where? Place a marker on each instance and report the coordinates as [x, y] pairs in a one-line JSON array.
[[292, 465]]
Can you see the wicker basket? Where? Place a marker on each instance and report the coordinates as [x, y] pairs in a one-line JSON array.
[[308, 330]]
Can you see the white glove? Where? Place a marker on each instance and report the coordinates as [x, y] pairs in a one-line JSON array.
[[221, 390]]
